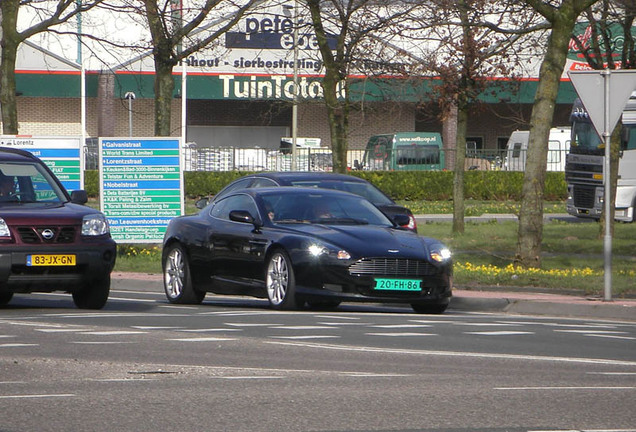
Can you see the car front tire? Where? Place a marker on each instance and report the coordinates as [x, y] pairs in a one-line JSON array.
[[281, 282], [177, 280], [93, 295]]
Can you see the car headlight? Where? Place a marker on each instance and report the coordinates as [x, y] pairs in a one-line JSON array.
[[318, 250], [94, 225], [440, 253], [4, 229]]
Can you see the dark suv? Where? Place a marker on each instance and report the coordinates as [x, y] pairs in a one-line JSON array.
[[50, 241]]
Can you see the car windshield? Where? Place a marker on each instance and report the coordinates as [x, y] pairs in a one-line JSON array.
[[363, 189], [317, 208], [28, 183]]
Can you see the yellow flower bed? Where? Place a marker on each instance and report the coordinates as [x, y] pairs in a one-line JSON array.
[[510, 269]]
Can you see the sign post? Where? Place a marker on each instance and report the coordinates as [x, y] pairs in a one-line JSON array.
[[604, 95]]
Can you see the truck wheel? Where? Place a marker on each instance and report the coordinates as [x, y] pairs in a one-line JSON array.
[[93, 295]]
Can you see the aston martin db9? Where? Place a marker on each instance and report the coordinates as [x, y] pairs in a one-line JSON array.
[[297, 246]]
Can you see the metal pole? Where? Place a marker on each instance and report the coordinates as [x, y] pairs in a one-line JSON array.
[[607, 243], [130, 116], [295, 98]]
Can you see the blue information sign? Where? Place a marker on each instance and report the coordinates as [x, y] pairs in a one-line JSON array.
[[141, 186]]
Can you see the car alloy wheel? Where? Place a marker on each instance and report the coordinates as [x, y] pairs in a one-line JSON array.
[[280, 282], [176, 278], [174, 273]]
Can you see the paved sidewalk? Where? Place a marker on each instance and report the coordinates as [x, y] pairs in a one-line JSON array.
[[483, 300]]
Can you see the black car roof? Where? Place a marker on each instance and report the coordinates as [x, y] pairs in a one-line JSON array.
[[282, 177], [10, 154], [294, 190]]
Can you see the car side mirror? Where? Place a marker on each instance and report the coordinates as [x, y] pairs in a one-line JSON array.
[[79, 197], [244, 216], [401, 220], [201, 203]]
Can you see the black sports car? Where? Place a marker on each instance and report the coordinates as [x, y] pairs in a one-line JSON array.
[[341, 182], [303, 245]]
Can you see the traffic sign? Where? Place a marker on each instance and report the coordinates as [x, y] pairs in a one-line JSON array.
[[590, 86]]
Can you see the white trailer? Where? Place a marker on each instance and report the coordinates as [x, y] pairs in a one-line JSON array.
[[558, 147]]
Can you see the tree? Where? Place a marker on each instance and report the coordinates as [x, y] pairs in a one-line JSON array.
[[471, 47], [346, 33], [175, 35], [46, 15], [562, 17]]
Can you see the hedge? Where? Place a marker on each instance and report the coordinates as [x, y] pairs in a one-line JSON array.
[[400, 185]]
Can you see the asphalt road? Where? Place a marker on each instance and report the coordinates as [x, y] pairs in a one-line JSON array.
[[232, 364]]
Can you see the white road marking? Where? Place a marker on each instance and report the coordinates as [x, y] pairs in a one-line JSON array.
[[63, 330], [406, 334], [482, 324], [499, 333], [156, 327], [209, 330], [249, 377], [610, 336], [611, 373], [395, 326], [284, 327], [346, 324], [17, 345], [102, 342], [565, 388], [459, 354], [27, 396], [590, 331], [586, 430], [203, 339], [338, 317], [306, 337], [251, 324], [135, 300], [113, 333]]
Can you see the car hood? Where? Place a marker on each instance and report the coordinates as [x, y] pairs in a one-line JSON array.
[[43, 213], [364, 240], [393, 209]]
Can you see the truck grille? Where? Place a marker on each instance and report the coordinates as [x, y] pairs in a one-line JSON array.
[[391, 267], [583, 196], [37, 235]]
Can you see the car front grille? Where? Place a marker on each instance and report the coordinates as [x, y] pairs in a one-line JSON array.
[[48, 234], [391, 267]]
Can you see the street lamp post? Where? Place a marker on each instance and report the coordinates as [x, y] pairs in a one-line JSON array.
[[130, 96], [295, 94]]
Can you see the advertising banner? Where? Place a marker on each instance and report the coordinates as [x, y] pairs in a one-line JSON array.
[[141, 186]]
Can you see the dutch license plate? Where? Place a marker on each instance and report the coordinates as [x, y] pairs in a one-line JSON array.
[[398, 284], [50, 260]]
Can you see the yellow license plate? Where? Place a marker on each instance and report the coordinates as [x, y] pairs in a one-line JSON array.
[[50, 260]]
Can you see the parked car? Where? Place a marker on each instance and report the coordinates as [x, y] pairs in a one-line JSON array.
[[297, 245], [342, 182], [50, 241]]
